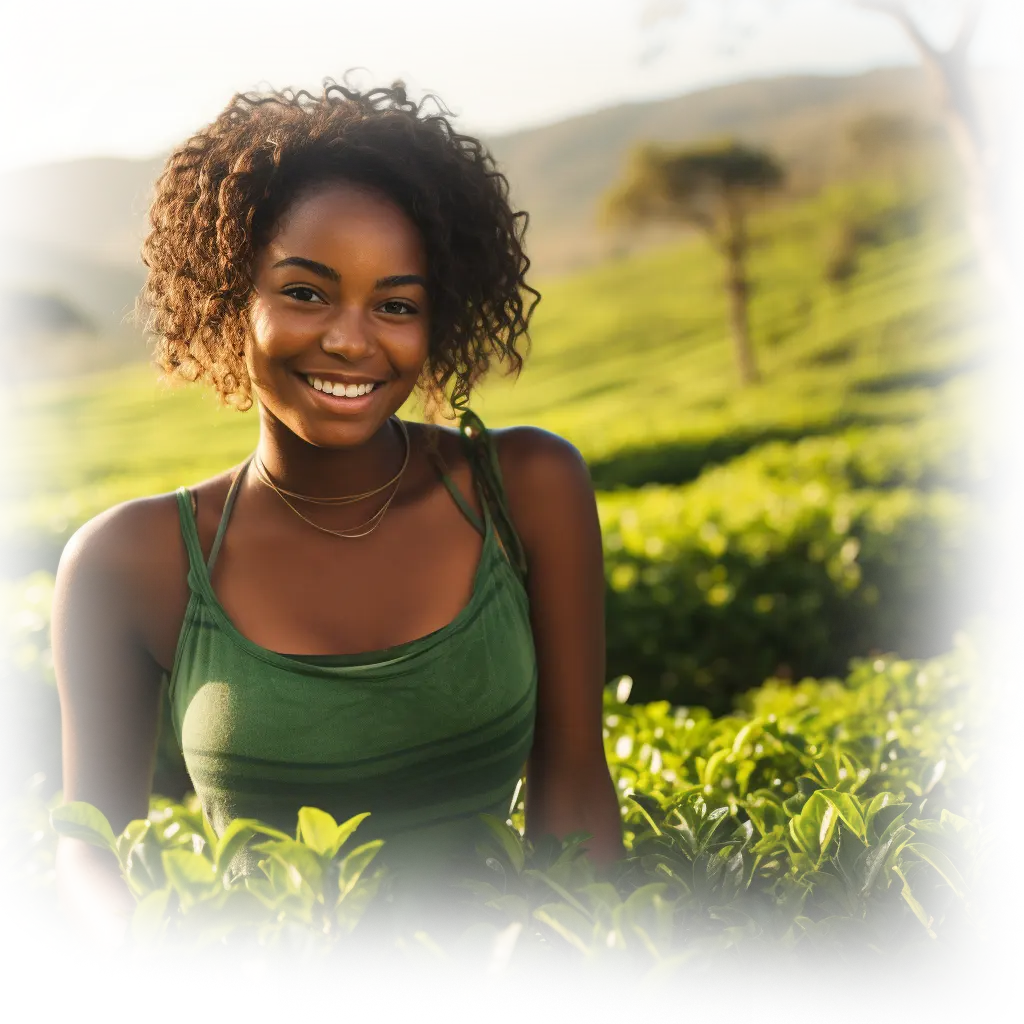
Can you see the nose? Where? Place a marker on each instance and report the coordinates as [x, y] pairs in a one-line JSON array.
[[348, 336]]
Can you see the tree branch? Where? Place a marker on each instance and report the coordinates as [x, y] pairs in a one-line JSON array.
[[898, 10], [968, 28]]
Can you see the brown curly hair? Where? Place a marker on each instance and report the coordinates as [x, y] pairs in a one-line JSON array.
[[223, 192]]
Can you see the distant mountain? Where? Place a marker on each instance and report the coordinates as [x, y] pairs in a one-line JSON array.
[[104, 293], [73, 230], [559, 172]]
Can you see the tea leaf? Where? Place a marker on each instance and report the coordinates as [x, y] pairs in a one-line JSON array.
[[919, 912], [190, 875], [558, 889], [135, 832], [570, 924], [942, 864], [239, 832], [511, 844], [345, 831], [848, 808], [299, 862], [318, 830], [354, 865], [79, 820]]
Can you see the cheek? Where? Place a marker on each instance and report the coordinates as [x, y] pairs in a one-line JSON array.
[[261, 332]]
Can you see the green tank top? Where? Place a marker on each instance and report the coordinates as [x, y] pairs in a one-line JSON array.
[[425, 735]]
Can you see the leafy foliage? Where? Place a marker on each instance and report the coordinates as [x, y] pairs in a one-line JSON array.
[[743, 576], [825, 816]]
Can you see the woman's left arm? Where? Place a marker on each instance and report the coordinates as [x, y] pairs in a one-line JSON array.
[[551, 500]]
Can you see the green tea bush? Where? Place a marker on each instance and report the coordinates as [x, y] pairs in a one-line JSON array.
[[925, 454], [824, 816], [749, 573], [928, 455]]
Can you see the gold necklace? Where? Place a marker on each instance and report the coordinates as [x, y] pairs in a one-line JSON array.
[[372, 523], [260, 469]]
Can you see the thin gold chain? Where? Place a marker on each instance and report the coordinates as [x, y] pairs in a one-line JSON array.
[[372, 523], [348, 499]]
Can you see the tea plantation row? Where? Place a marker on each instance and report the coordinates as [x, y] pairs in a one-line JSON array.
[[824, 817]]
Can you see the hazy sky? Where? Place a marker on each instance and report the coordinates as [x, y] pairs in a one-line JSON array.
[[105, 78]]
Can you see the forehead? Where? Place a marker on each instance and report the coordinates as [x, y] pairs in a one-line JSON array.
[[341, 223]]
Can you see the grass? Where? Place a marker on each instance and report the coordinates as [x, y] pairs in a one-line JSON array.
[[627, 358]]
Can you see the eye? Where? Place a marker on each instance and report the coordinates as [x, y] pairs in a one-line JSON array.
[[300, 288], [398, 307]]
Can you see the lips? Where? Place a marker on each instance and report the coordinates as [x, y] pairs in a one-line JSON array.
[[341, 403]]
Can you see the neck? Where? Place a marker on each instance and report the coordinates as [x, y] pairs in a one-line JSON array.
[[320, 472]]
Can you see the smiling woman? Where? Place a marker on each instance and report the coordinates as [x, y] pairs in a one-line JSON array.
[[366, 615]]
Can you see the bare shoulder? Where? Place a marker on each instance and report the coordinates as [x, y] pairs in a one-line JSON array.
[[136, 547], [522, 446], [526, 453], [139, 529], [546, 480], [122, 536]]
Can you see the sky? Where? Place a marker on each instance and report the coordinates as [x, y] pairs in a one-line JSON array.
[[116, 79]]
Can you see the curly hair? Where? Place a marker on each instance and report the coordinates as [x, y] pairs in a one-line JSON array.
[[222, 194]]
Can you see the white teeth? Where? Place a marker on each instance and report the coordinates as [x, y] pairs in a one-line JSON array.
[[338, 388]]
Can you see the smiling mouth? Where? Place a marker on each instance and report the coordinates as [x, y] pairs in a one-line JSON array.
[[340, 389]]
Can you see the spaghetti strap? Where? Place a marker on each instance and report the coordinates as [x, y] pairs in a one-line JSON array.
[[434, 454], [229, 504], [483, 458]]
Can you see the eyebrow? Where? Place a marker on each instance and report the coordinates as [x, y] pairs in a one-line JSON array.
[[330, 274]]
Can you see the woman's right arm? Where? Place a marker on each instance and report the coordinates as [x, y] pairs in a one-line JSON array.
[[109, 687]]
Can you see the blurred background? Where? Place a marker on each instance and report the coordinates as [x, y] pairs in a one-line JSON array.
[[766, 236]]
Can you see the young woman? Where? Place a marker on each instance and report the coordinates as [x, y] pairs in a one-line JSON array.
[[367, 614]]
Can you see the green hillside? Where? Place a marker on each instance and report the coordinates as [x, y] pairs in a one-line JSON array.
[[629, 360]]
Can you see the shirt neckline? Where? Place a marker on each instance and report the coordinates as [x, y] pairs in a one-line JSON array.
[[200, 582]]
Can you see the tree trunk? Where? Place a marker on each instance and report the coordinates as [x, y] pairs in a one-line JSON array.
[[949, 74], [737, 293], [737, 289]]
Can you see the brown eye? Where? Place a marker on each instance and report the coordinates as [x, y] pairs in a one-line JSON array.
[[300, 288], [397, 306]]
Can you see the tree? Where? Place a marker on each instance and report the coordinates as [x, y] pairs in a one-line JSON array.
[[887, 147], [980, 155], [30, 318], [893, 141], [712, 188]]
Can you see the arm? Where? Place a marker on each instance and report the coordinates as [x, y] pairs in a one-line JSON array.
[[551, 500], [109, 690]]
